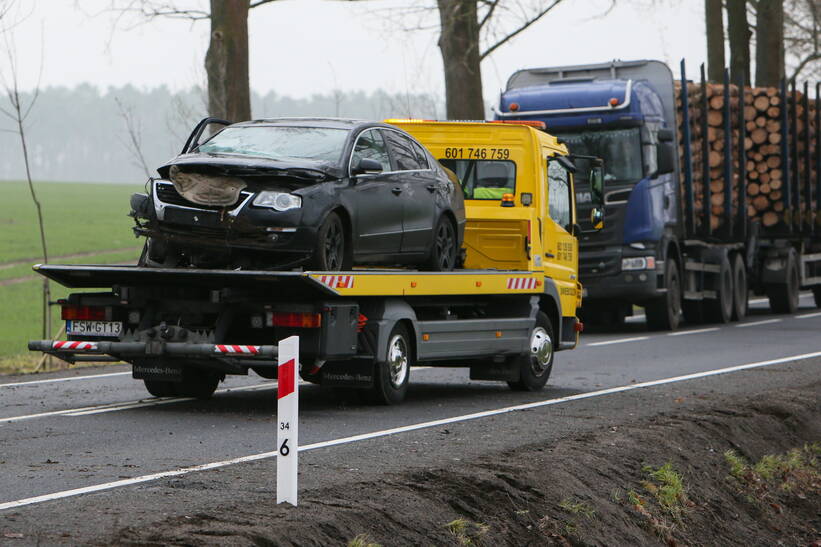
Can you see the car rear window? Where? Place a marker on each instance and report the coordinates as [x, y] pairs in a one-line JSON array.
[[484, 179], [279, 142]]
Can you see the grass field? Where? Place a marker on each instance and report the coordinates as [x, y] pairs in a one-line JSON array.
[[79, 218]]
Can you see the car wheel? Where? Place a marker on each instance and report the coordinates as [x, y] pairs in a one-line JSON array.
[[445, 247], [331, 253]]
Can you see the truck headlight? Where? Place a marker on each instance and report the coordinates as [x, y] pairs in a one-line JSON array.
[[638, 263], [279, 201]]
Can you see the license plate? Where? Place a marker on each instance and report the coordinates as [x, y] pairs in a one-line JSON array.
[[94, 328]]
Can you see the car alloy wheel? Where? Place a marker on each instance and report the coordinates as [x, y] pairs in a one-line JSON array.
[[444, 246], [334, 246]]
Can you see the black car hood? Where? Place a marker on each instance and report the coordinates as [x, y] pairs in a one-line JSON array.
[[308, 171]]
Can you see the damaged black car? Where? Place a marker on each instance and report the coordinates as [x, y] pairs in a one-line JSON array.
[[322, 194]]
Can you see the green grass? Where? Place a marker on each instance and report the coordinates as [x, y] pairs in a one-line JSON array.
[[79, 218]]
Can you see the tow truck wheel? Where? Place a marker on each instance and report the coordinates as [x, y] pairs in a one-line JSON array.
[[536, 364], [160, 388], [196, 383], [664, 312], [720, 309], [390, 383]]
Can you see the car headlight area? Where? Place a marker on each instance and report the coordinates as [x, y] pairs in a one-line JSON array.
[[279, 201]]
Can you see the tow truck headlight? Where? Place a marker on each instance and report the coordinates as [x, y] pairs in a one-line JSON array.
[[638, 263], [279, 201]]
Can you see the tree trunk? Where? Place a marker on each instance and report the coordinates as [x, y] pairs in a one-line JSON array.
[[714, 20], [459, 44], [739, 34], [226, 63], [769, 43]]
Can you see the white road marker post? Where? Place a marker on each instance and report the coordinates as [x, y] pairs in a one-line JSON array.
[[287, 419]]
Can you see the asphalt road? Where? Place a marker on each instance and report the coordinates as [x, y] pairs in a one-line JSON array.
[[91, 444]]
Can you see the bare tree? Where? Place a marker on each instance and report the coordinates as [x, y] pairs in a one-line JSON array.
[[769, 43], [714, 22], [133, 140], [739, 33], [226, 62], [802, 25], [19, 109]]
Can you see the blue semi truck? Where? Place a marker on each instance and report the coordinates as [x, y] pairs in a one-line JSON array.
[[660, 248]]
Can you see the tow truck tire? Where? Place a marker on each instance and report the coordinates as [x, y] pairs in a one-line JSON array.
[[816, 294], [536, 364], [197, 383], [664, 312], [784, 297], [444, 249], [331, 253], [741, 293], [720, 309], [390, 383], [160, 388]]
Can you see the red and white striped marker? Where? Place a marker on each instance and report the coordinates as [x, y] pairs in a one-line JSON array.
[[287, 419]]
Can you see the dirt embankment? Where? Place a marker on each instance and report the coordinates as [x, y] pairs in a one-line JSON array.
[[742, 472]]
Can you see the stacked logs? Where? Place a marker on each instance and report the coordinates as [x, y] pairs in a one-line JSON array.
[[763, 161]]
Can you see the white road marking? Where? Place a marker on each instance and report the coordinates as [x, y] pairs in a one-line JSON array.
[[808, 315], [694, 331], [755, 323], [73, 378], [618, 341], [401, 429], [110, 407]]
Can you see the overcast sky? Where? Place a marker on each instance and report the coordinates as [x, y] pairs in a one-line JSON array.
[[302, 47]]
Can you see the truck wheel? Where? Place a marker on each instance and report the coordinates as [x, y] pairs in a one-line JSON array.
[[741, 293], [390, 383], [720, 309], [536, 364], [816, 294], [664, 313], [197, 383], [160, 388], [784, 296], [444, 252], [331, 253]]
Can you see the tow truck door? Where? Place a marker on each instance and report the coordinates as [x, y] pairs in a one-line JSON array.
[[560, 246]]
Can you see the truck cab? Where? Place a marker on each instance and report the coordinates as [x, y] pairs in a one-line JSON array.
[[520, 200], [624, 113]]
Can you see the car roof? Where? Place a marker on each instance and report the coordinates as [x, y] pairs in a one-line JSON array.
[[332, 123]]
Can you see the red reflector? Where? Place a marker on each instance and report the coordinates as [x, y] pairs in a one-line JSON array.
[[361, 322], [299, 320], [579, 326], [83, 313]]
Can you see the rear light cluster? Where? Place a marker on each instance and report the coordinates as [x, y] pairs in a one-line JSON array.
[[298, 320], [85, 313]]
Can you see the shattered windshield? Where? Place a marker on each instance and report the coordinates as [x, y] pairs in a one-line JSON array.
[[619, 148], [279, 142]]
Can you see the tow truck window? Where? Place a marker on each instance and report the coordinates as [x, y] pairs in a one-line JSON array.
[[619, 148], [484, 179], [558, 194]]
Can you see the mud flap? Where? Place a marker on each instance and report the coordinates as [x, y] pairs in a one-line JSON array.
[[354, 373], [157, 370]]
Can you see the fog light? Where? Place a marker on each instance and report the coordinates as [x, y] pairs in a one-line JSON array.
[[134, 317], [256, 321]]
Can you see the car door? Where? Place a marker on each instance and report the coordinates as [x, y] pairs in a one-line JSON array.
[[418, 187], [376, 203]]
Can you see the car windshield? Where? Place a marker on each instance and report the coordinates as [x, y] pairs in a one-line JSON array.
[[279, 142], [619, 148]]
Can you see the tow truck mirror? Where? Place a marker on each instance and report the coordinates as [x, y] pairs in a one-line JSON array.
[[597, 185], [597, 218], [367, 166]]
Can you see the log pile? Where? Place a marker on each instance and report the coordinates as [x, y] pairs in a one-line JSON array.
[[763, 161]]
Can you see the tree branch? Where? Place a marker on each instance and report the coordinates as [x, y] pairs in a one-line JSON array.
[[804, 62], [491, 8], [519, 30]]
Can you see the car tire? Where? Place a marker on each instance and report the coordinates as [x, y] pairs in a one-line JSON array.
[[445, 247], [331, 253], [391, 377], [536, 364]]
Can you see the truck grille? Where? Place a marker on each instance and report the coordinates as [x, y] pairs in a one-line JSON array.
[[166, 193]]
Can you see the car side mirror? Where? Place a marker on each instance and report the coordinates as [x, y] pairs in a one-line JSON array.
[[367, 166], [597, 218]]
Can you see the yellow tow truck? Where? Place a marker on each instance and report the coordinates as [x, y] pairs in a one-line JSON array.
[[504, 314]]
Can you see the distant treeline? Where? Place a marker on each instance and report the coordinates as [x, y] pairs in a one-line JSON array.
[[80, 134]]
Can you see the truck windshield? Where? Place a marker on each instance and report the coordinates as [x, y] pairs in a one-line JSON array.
[[619, 148], [279, 143]]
